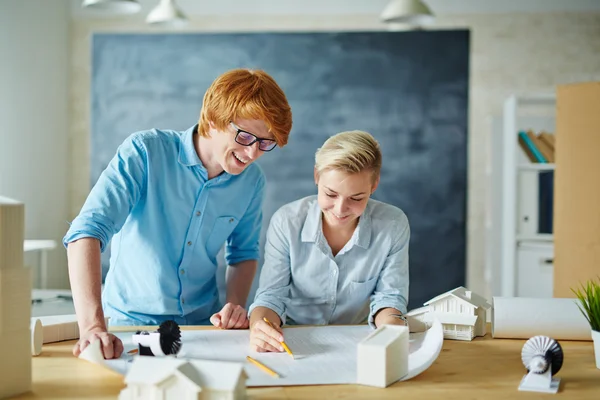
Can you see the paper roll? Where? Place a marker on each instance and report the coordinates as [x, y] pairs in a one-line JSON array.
[[522, 318], [37, 336]]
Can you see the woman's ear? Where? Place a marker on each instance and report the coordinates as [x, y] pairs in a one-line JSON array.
[[316, 176], [375, 184], [211, 124]]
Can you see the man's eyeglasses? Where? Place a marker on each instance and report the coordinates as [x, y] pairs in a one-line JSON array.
[[248, 139]]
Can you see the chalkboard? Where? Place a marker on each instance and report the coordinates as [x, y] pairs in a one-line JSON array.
[[408, 89]]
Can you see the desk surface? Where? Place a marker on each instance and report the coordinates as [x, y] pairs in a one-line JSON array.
[[484, 368]]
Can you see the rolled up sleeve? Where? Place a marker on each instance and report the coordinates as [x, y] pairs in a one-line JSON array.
[[392, 285], [243, 243], [114, 195], [274, 283]]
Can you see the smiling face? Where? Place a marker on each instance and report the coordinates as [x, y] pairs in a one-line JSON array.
[[343, 196], [230, 156]]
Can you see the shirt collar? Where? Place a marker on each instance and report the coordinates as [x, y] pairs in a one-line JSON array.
[[187, 150], [312, 226], [364, 228], [189, 158]]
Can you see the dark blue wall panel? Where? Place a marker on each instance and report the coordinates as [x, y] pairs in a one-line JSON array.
[[409, 89]]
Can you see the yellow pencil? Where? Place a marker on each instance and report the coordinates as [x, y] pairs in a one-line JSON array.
[[283, 344], [263, 367]]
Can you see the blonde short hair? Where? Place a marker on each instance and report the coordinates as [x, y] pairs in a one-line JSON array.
[[352, 152], [247, 94]]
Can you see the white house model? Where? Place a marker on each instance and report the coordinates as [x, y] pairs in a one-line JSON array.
[[382, 357], [170, 378], [461, 312], [15, 302]]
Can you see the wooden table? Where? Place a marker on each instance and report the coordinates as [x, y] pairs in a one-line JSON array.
[[485, 368]]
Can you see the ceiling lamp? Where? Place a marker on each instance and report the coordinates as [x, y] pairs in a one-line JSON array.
[[166, 13], [113, 6], [411, 12]]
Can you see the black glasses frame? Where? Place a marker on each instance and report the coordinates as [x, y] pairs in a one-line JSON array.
[[256, 138]]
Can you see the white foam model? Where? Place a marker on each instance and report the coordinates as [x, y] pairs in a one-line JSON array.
[[15, 302], [382, 357], [61, 327], [173, 379], [463, 314], [37, 337]]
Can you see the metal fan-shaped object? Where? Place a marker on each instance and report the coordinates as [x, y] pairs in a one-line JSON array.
[[543, 358], [170, 337], [166, 341], [540, 353]]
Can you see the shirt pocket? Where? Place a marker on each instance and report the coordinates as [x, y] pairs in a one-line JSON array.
[[222, 228], [361, 291]]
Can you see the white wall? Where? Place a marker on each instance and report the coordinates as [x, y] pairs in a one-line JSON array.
[[34, 53], [509, 53]]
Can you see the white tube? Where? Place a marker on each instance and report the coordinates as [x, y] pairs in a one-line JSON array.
[[37, 336], [522, 318]]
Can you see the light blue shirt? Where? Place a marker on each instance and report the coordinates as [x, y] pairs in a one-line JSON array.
[[169, 222], [304, 283]]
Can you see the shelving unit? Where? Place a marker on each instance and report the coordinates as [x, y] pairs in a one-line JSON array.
[[514, 254]]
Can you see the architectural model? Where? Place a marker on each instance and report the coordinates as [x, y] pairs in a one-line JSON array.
[[15, 302], [461, 312], [171, 378], [57, 328], [382, 357]]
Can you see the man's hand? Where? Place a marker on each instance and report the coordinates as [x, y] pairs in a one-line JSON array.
[[111, 346], [264, 337], [231, 316]]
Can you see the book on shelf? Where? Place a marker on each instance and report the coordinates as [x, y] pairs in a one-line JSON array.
[[545, 201], [539, 148]]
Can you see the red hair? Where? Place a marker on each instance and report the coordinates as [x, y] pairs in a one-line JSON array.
[[246, 94]]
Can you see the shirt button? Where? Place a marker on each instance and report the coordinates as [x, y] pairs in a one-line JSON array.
[[198, 213], [189, 243], [182, 271], [182, 300]]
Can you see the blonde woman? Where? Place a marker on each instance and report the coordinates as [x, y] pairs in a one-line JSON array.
[[338, 257]]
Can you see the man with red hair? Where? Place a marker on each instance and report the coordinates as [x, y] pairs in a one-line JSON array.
[[169, 201]]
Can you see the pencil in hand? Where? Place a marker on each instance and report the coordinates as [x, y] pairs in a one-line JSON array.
[[263, 367], [283, 344]]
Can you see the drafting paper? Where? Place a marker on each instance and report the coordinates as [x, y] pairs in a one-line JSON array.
[[522, 318], [324, 355]]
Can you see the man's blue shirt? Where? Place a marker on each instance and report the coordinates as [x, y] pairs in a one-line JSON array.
[[168, 222]]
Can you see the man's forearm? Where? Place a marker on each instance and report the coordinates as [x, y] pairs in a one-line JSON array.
[[85, 275], [239, 279]]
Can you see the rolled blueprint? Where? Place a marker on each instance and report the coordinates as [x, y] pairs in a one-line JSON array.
[[522, 318]]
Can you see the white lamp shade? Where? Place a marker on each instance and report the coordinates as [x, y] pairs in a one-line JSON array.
[[166, 13], [113, 6], [413, 12]]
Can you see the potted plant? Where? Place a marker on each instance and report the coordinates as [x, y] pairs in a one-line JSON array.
[[589, 297]]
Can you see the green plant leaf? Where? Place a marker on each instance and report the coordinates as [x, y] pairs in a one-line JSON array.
[[589, 302]]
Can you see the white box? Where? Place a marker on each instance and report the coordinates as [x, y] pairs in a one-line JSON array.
[[15, 363], [57, 328], [382, 357], [12, 233], [15, 299]]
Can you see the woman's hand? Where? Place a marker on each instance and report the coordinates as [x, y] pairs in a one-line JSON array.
[[265, 337]]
